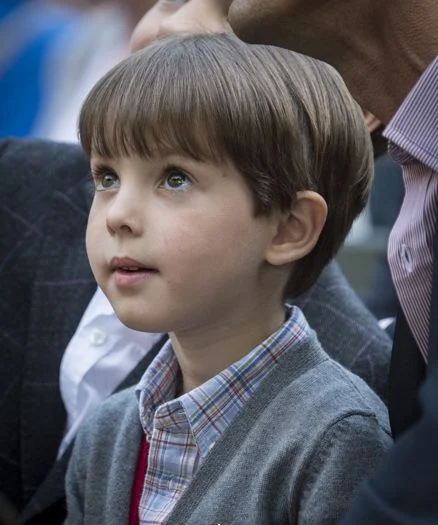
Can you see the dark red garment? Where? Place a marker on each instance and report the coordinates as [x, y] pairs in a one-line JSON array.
[[137, 486]]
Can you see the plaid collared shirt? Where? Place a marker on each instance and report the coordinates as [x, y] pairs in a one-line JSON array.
[[182, 431]]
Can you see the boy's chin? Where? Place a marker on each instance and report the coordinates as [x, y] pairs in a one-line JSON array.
[[141, 323]]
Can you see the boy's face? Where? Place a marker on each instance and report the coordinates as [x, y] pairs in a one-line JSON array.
[[174, 243]]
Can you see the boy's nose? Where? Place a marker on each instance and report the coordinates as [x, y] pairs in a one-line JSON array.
[[124, 216]]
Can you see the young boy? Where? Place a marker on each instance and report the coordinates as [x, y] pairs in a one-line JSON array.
[[226, 177]]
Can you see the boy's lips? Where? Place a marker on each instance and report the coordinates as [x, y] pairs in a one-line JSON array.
[[128, 272], [128, 264]]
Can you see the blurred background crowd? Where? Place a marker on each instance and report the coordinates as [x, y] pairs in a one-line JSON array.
[[53, 52]]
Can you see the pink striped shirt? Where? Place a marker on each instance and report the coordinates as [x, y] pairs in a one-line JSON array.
[[413, 133]]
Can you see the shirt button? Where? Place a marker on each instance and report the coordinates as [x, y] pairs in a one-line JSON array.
[[97, 337], [406, 258], [173, 484]]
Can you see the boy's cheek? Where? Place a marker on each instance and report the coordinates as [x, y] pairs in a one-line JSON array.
[[93, 243], [96, 225]]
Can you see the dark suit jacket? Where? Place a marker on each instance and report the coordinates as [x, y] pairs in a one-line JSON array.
[[45, 285]]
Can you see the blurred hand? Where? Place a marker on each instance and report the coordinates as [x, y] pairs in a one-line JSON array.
[[181, 17], [371, 122]]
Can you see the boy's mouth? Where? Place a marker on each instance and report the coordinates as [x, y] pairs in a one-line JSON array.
[[125, 266]]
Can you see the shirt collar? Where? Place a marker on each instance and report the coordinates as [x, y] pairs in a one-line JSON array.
[[157, 388], [209, 409]]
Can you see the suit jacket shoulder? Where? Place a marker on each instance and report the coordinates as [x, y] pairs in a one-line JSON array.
[[42, 193], [348, 332]]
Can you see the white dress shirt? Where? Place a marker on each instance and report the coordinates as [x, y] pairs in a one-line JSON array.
[[101, 353]]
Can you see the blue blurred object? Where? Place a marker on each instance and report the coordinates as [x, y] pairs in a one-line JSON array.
[[29, 30]]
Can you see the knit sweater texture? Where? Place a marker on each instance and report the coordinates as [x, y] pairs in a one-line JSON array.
[[295, 453]]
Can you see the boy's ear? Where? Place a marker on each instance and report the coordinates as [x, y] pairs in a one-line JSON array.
[[298, 229]]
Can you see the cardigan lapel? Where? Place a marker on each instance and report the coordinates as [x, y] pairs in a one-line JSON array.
[[293, 364], [58, 301]]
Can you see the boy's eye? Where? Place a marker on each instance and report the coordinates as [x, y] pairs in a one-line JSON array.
[[176, 180], [105, 180]]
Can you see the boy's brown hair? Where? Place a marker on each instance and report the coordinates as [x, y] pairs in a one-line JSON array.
[[286, 121]]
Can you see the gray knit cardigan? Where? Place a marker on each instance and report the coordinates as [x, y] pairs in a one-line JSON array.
[[295, 454]]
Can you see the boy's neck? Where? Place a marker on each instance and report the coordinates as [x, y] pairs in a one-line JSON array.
[[204, 353]]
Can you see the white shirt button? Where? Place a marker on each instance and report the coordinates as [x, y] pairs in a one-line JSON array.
[[97, 337], [406, 258], [173, 483]]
